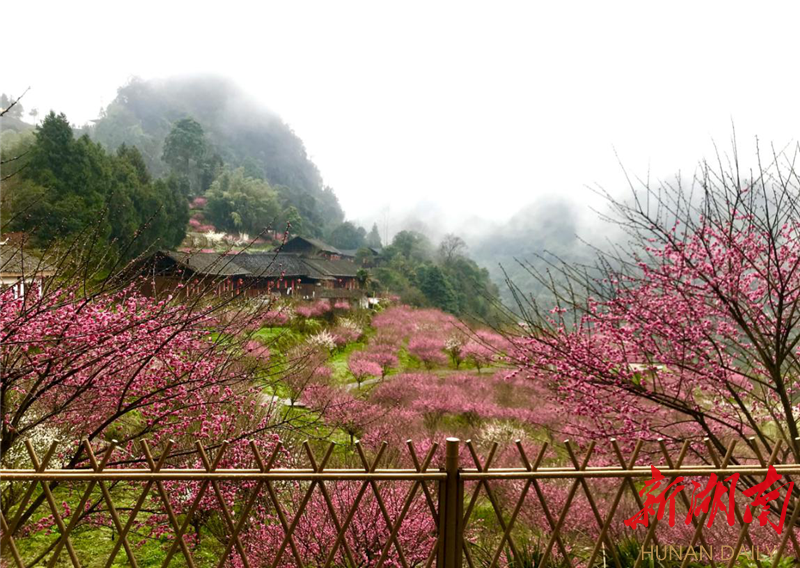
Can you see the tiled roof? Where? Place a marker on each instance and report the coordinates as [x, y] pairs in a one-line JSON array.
[[323, 246], [337, 268], [15, 262], [208, 263], [352, 252], [270, 264], [263, 265], [291, 245]]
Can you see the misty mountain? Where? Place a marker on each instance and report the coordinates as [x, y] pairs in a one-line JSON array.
[[542, 231], [241, 132]]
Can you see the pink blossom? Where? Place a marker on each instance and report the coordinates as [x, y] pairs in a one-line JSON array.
[[428, 349], [362, 368], [198, 203]]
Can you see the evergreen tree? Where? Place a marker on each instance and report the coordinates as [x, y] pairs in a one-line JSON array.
[[185, 151], [68, 186], [373, 237], [431, 280]]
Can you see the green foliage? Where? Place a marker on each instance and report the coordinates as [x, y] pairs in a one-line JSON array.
[[280, 339], [364, 256], [473, 287], [292, 220], [363, 277], [347, 236], [66, 186], [241, 204], [184, 146], [437, 289], [188, 155], [134, 158]]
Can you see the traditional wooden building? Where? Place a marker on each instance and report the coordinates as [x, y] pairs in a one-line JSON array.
[[251, 274], [190, 273]]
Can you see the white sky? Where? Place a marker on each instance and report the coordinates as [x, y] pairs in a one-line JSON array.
[[475, 109]]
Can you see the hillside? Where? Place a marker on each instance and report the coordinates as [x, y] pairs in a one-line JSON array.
[[240, 133]]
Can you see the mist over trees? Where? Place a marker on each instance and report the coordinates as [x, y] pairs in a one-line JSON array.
[[161, 118], [348, 236], [373, 237], [423, 276], [535, 236]]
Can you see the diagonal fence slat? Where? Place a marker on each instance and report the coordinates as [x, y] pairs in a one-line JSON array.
[[677, 463], [289, 532], [489, 494], [112, 511], [179, 529], [226, 514], [567, 504], [617, 498], [137, 507], [382, 506], [7, 539], [595, 512], [264, 467], [64, 538], [521, 500], [329, 504], [406, 505], [11, 544], [551, 521]]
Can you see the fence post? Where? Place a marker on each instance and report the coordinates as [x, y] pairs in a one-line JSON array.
[[451, 510]]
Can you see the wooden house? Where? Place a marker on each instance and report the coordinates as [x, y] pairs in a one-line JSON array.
[[19, 270]]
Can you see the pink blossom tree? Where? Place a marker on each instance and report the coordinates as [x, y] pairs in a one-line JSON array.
[[478, 354], [454, 347], [341, 410], [93, 360], [341, 305], [362, 368], [304, 366], [693, 331], [428, 349], [383, 355]]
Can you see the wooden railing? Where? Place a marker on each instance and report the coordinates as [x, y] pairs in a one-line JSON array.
[[451, 493]]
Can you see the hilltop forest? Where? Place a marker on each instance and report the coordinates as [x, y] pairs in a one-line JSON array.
[[180, 162]]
